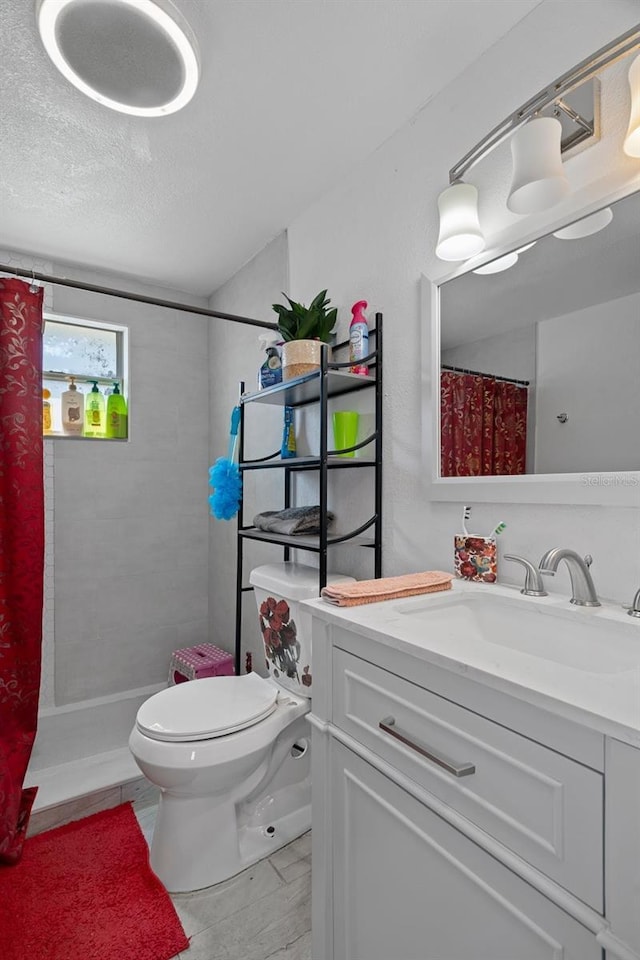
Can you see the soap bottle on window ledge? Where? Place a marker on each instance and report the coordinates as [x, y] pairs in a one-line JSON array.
[[94, 417], [72, 404], [116, 414], [46, 411]]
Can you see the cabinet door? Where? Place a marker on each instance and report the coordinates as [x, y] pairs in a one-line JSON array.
[[408, 886]]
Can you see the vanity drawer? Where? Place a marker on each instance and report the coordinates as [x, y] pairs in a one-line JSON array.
[[543, 806]]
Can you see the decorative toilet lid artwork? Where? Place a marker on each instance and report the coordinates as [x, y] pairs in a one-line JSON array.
[[281, 644], [207, 708]]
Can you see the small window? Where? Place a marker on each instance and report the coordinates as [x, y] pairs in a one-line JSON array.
[[91, 357]]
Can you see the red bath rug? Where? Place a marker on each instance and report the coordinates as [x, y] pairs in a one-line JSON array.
[[85, 891]]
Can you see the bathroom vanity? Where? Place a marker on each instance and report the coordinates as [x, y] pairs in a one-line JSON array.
[[476, 779]]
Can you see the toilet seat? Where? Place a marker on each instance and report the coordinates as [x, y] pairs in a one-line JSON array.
[[207, 708]]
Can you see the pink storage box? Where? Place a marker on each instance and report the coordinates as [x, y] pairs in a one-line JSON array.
[[202, 660]]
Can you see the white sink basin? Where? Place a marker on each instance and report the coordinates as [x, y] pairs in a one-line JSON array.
[[577, 638]]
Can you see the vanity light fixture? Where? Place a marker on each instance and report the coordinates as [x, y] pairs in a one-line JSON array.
[[539, 181], [460, 234], [586, 226], [632, 139], [503, 263], [135, 56], [497, 266]]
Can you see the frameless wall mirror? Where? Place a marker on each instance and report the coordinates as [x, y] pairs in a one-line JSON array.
[[540, 354]]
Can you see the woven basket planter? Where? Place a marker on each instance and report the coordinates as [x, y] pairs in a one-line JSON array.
[[300, 357]]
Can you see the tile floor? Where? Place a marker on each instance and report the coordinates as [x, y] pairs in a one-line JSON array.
[[262, 914]]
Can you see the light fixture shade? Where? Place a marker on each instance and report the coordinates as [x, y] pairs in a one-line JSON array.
[[632, 139], [460, 235], [586, 225], [497, 266], [135, 56], [539, 180]]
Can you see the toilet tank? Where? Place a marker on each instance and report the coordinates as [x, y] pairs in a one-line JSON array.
[[285, 628]]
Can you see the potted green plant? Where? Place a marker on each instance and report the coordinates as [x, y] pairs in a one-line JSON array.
[[304, 330]]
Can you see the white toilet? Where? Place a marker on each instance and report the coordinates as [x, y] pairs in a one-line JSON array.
[[231, 754]]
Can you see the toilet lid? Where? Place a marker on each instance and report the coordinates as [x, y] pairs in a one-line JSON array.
[[206, 708]]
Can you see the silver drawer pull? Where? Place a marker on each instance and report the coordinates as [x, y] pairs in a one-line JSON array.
[[457, 769]]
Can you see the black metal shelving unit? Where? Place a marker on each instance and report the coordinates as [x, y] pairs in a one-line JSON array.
[[331, 380]]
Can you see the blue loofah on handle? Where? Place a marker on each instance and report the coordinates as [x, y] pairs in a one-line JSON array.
[[224, 477]]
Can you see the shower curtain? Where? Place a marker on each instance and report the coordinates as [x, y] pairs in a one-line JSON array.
[[483, 426], [21, 552]]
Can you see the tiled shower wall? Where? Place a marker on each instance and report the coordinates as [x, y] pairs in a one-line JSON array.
[[131, 517], [126, 523]]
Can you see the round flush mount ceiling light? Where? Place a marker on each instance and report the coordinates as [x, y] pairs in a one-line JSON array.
[[135, 56], [586, 226]]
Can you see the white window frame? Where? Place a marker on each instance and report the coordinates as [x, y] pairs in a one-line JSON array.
[[122, 358]]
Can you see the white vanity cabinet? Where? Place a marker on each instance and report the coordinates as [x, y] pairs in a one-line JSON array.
[[409, 886], [454, 821]]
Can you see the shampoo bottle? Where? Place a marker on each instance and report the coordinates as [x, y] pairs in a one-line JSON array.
[[359, 338], [72, 402], [46, 411], [94, 418], [116, 414]]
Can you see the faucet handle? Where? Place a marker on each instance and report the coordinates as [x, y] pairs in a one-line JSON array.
[[533, 585]]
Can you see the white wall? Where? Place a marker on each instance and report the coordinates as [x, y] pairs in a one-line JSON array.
[[588, 368], [235, 355], [131, 550], [374, 235]]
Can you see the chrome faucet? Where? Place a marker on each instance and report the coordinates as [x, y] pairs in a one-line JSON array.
[[582, 586], [533, 585], [634, 609]]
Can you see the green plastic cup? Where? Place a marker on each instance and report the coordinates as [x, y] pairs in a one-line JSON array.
[[345, 430]]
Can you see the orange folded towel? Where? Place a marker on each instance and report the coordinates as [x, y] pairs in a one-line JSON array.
[[388, 588]]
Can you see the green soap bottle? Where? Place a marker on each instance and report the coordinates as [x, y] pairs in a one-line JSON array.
[[94, 414], [116, 414]]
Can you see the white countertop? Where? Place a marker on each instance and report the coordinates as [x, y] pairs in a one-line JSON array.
[[597, 685]]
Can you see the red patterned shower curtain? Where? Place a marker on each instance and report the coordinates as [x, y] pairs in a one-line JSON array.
[[21, 552], [483, 427]]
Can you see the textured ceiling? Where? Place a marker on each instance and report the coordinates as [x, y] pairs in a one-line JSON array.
[[293, 94]]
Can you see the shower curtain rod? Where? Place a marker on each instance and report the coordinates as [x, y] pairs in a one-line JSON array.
[[139, 298], [478, 373]]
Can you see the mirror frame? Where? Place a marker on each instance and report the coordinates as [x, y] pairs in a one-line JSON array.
[[615, 489]]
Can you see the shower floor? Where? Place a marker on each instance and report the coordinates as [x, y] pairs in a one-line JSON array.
[[78, 788]]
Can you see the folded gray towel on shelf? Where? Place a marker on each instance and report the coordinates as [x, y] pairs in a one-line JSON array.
[[293, 520]]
